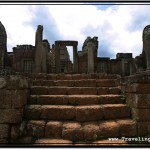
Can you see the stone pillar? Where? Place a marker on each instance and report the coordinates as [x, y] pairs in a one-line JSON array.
[[138, 99], [91, 48], [75, 59], [57, 57]]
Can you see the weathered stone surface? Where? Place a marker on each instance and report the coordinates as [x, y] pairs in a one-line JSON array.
[[33, 111], [10, 116], [114, 111], [3, 141], [91, 131], [39, 90], [58, 112], [4, 131], [72, 131], [73, 91], [52, 100], [115, 90], [3, 83], [81, 83], [68, 83], [106, 83], [89, 91], [14, 132], [141, 114], [17, 82], [5, 100], [51, 76], [53, 129], [42, 82], [32, 99], [89, 113], [143, 128], [57, 91], [103, 91], [36, 128], [138, 88], [108, 129], [127, 128]]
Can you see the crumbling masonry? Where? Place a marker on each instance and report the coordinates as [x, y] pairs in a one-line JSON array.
[[45, 99]]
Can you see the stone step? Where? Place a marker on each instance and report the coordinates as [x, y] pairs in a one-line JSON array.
[[45, 90], [78, 83], [87, 131], [75, 99], [77, 113]]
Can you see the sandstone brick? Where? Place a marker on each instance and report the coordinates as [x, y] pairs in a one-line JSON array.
[[3, 83], [40, 76], [130, 97], [127, 128], [89, 91], [94, 76], [52, 100], [43, 83], [141, 114], [60, 76], [106, 83], [57, 91], [53, 129], [73, 91], [4, 131], [10, 116], [108, 129], [103, 91], [32, 99], [92, 83], [51, 76], [82, 99], [33, 111], [139, 88], [5, 99], [110, 99], [88, 113], [91, 131], [113, 111], [58, 112], [72, 131], [35, 128], [143, 128], [76, 76], [81, 83], [115, 90], [68, 83], [39, 90], [14, 132]]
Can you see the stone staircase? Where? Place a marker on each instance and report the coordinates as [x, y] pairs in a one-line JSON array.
[[77, 109]]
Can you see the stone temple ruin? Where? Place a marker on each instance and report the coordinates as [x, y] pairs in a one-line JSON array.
[[43, 58], [48, 100]]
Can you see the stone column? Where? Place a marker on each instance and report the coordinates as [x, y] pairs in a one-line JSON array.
[[57, 58], [91, 48], [75, 59]]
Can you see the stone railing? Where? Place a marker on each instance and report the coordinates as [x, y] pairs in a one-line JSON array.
[[13, 97], [138, 98]]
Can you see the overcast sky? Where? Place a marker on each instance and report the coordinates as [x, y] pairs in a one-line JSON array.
[[118, 27]]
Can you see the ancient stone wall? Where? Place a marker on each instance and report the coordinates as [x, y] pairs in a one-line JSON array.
[[13, 97], [138, 98]]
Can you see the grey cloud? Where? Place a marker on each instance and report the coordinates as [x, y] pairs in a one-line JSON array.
[[43, 17]]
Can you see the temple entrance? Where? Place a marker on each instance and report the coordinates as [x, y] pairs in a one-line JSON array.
[[59, 65]]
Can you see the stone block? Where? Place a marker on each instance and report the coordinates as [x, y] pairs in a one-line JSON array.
[[10, 116], [51, 76], [73, 91], [127, 128], [14, 132], [58, 112], [106, 83], [114, 111], [57, 91], [32, 111], [39, 90], [72, 131], [138, 88], [3, 83], [89, 113], [3, 141], [143, 128], [68, 83], [108, 129], [76, 76], [103, 90], [5, 99], [91, 131], [89, 91], [4, 131], [53, 129], [92, 83], [32, 99], [81, 83], [35, 128], [115, 90], [141, 114]]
